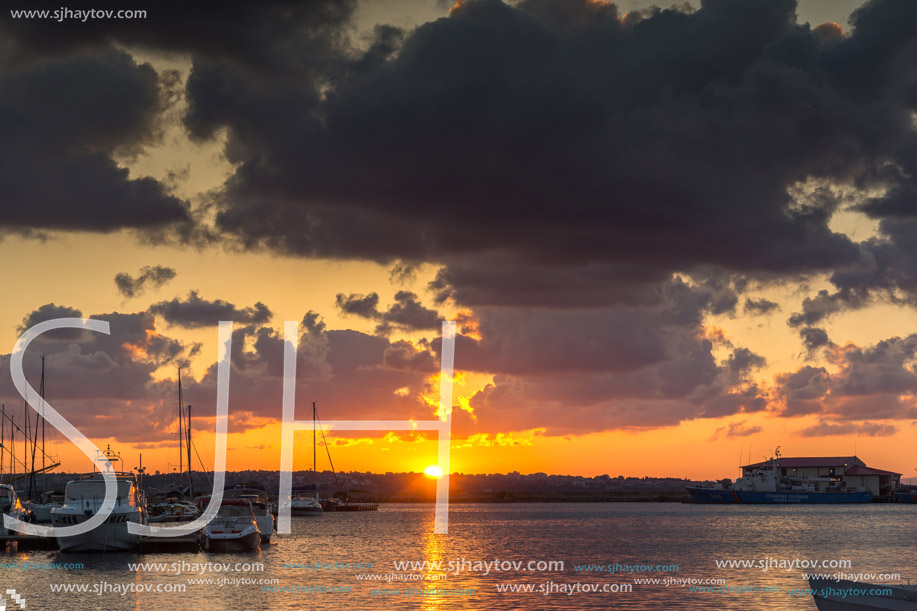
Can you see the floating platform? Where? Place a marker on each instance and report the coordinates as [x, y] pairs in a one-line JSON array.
[[168, 545], [356, 507]]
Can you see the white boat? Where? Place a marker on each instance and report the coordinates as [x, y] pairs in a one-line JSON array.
[[233, 529], [41, 509], [178, 511], [84, 497], [260, 506], [306, 503], [845, 595], [41, 512], [10, 505]]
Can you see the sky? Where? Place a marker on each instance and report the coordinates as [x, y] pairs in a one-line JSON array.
[[672, 238]]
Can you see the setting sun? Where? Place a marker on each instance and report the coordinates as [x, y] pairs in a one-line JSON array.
[[433, 471]]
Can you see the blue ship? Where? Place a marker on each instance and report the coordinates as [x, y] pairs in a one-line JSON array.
[[770, 486], [784, 497]]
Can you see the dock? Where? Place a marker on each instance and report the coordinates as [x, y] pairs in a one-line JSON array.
[[28, 542], [356, 507], [168, 545]]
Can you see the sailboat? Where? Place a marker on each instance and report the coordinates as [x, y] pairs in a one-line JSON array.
[[41, 502], [9, 501], [174, 507], [305, 501]]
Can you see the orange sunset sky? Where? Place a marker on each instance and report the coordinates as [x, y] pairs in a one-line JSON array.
[[673, 240]]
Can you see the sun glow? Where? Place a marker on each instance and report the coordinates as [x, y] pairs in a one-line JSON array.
[[433, 471]]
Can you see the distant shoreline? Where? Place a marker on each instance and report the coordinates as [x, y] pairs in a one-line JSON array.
[[616, 496]]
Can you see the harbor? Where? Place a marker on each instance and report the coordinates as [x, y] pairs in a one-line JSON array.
[[805, 480]]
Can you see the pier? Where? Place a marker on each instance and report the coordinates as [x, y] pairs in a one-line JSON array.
[[29, 542], [168, 545]]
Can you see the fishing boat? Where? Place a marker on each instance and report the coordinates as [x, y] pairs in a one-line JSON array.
[[84, 497], [233, 529], [846, 595], [771, 486], [260, 506]]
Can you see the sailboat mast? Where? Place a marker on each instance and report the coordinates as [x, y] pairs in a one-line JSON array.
[[41, 391], [190, 478], [2, 438], [25, 452], [313, 439], [181, 433], [12, 448]]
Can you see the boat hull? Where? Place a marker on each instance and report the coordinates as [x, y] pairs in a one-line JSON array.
[[844, 595], [225, 545], [306, 511], [266, 526], [42, 511], [789, 497], [112, 536], [906, 497]]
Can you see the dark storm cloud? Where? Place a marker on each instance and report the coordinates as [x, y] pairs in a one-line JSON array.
[[551, 153], [56, 166], [153, 276], [365, 306], [814, 338], [640, 136], [560, 162], [258, 35], [407, 313], [824, 304], [572, 371], [196, 311], [873, 382], [71, 98], [347, 372], [760, 307], [553, 135], [49, 311], [103, 383]]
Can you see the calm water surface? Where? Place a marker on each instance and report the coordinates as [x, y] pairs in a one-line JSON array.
[[875, 538]]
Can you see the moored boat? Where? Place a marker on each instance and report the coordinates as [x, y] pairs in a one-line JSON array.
[[84, 497], [233, 529], [306, 503], [845, 595], [770, 486], [41, 509], [173, 512], [10, 505], [260, 506]]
